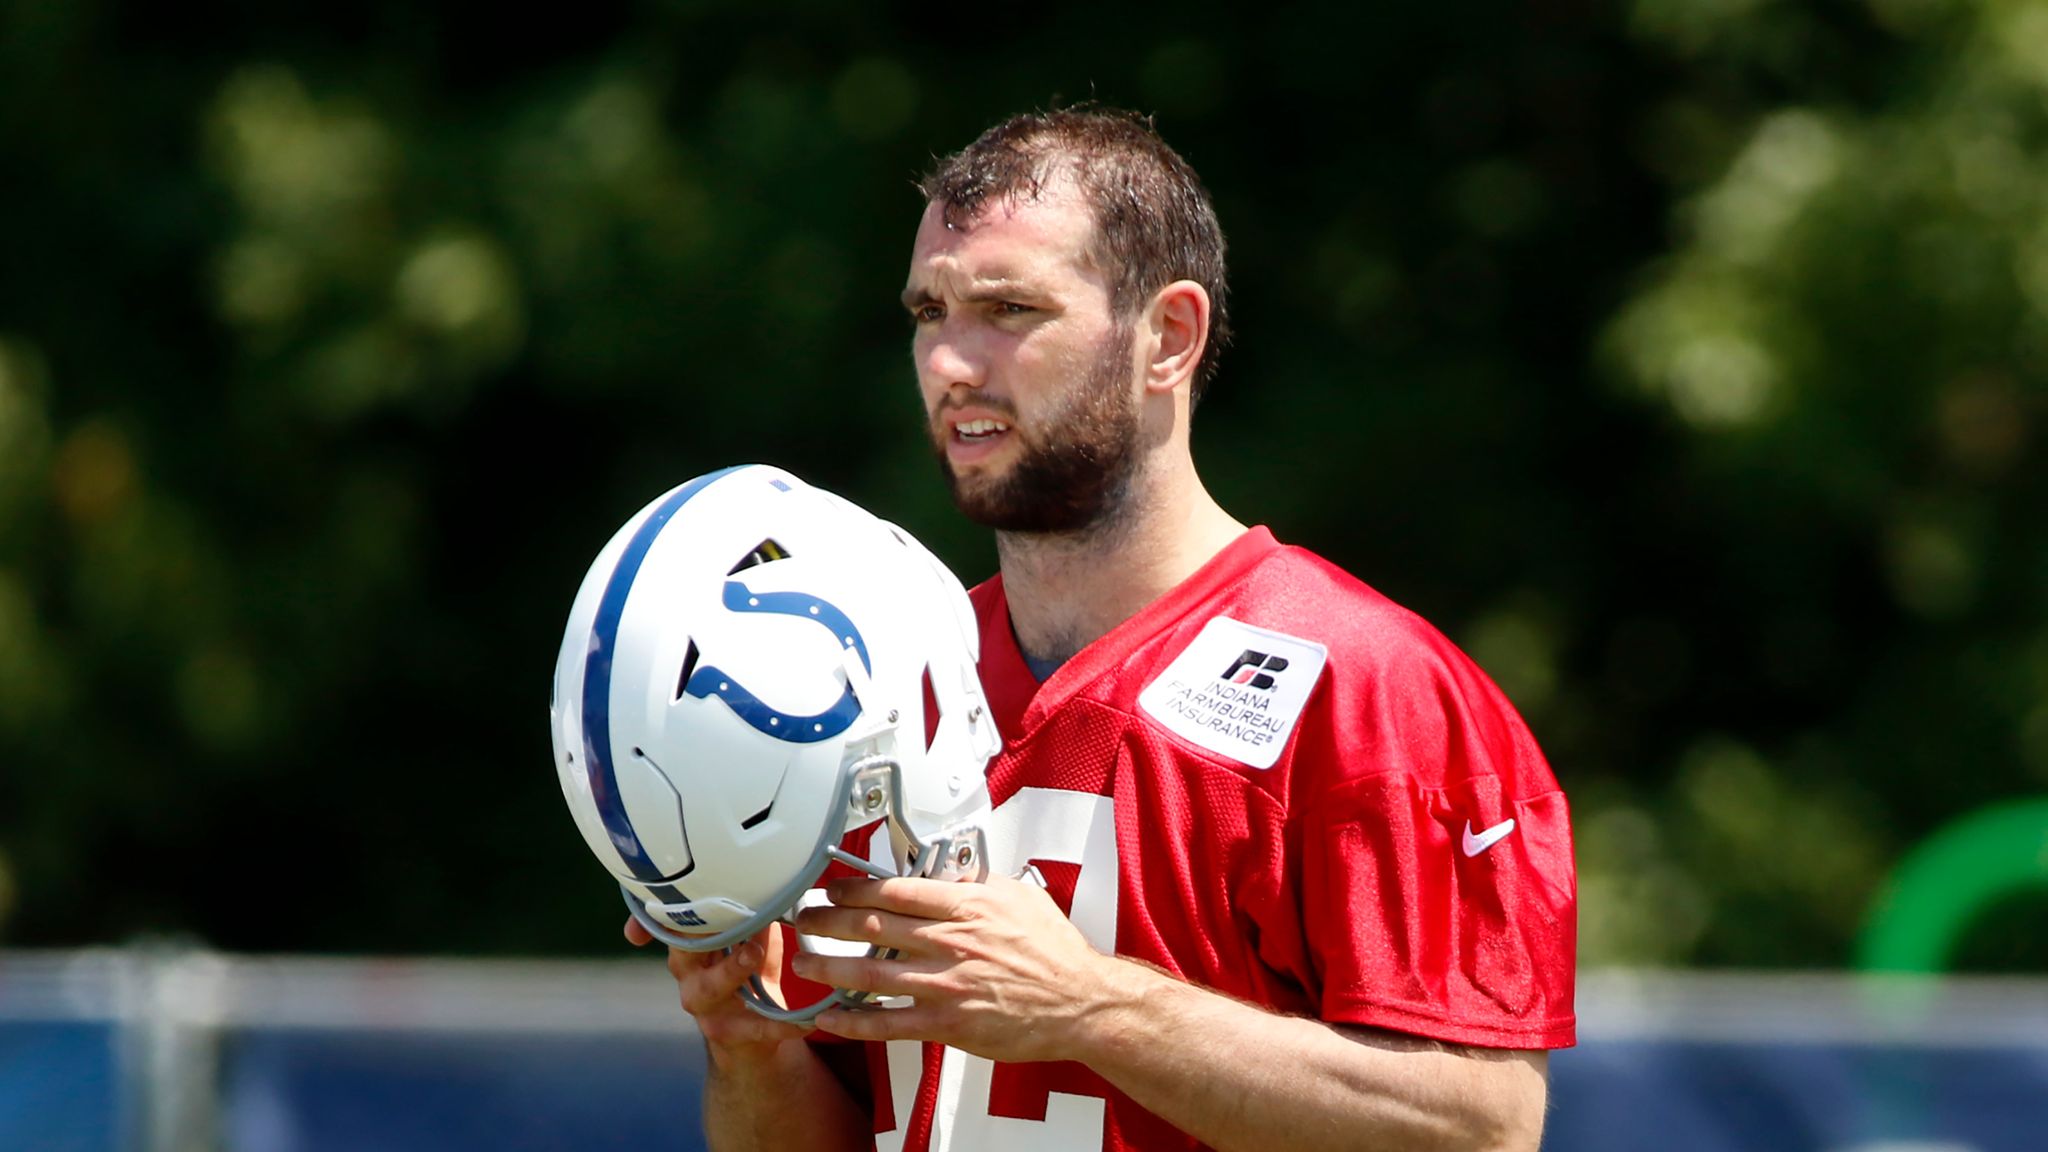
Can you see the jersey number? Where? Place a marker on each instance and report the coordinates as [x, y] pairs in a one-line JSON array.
[[1071, 837]]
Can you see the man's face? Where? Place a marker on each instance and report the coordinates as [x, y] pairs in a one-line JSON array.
[[1028, 381]]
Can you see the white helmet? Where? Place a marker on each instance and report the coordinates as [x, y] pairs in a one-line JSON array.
[[749, 674]]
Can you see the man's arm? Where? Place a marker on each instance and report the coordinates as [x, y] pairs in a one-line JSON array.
[[1238, 1077], [997, 970], [765, 1087], [782, 1099]]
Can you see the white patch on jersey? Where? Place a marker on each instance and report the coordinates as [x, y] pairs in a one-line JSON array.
[[1237, 689]]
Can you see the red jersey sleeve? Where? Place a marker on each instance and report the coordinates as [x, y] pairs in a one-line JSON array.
[[1434, 849]]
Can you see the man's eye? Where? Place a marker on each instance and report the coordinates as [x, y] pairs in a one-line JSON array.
[[1012, 308], [927, 314]]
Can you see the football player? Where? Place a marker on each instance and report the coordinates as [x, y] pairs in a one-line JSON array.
[[1303, 878]]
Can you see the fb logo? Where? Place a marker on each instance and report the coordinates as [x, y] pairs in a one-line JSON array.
[[712, 681], [1251, 667]]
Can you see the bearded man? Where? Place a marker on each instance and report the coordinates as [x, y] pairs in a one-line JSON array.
[[1307, 879]]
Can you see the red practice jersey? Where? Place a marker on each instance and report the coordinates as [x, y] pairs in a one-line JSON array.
[[1276, 783]]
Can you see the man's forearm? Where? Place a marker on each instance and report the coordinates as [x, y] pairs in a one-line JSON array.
[[788, 1099], [1239, 1078]]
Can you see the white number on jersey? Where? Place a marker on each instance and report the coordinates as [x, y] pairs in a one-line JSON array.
[[1042, 826]]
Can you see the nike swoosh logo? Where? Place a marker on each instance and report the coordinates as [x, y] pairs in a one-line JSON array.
[[1474, 844]]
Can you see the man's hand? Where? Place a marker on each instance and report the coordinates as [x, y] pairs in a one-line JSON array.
[[758, 1064], [710, 984], [996, 968]]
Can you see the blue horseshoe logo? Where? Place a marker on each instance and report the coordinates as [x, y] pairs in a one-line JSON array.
[[708, 680]]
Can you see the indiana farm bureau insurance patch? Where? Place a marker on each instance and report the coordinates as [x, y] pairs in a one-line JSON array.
[[1237, 690]]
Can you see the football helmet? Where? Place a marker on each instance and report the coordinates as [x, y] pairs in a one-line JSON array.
[[754, 671]]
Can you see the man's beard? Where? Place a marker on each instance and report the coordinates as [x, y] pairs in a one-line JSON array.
[[1072, 473]]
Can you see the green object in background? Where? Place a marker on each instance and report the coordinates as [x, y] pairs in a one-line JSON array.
[[1949, 880]]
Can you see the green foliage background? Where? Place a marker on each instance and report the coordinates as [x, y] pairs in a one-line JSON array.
[[1684, 360]]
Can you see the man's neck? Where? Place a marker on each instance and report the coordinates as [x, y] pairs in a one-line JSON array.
[[1068, 589]]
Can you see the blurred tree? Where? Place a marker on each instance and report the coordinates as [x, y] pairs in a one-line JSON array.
[[334, 342], [1849, 345]]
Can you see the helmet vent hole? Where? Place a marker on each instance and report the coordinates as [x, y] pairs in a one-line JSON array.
[[931, 710], [757, 817], [689, 666], [766, 552]]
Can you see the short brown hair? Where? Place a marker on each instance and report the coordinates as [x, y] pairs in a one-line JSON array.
[[1154, 223]]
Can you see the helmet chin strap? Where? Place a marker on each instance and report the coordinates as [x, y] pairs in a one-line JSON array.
[[876, 788]]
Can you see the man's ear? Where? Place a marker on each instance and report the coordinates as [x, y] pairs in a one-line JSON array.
[[1178, 323]]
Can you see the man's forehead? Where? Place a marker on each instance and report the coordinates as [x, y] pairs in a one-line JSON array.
[[1005, 237]]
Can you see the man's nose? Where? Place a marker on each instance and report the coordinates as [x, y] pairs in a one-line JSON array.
[[948, 361]]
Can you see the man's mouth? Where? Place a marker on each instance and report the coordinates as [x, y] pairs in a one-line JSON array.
[[974, 431]]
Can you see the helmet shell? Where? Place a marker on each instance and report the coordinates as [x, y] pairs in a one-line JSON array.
[[735, 648]]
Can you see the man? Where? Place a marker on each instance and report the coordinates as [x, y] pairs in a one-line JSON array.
[[1308, 881]]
